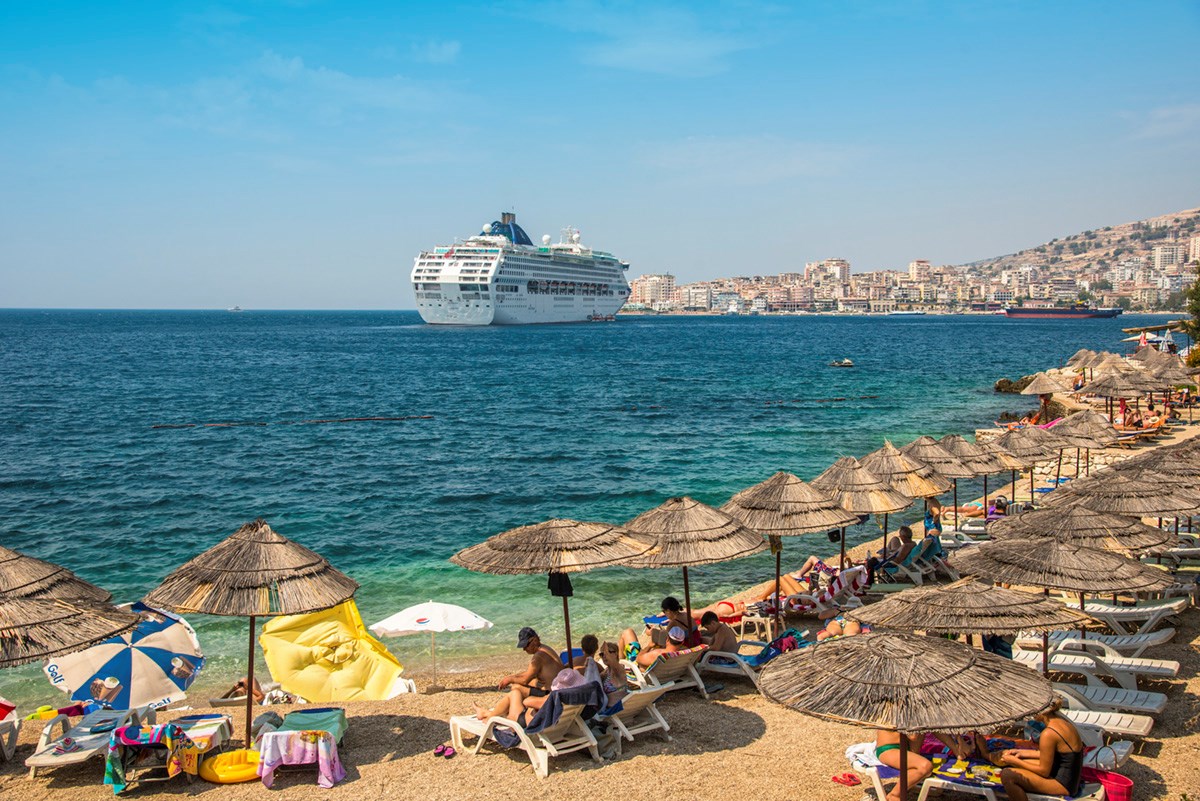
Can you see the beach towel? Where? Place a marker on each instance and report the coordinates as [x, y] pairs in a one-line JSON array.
[[127, 743], [590, 695], [300, 748]]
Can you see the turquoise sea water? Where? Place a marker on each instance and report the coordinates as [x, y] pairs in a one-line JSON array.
[[590, 421]]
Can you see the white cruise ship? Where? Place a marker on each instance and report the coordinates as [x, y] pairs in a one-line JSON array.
[[499, 277]]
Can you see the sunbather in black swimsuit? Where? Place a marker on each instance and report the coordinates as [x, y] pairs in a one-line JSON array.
[[1066, 769]]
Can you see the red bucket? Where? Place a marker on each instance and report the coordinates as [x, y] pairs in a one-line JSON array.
[[1116, 786]]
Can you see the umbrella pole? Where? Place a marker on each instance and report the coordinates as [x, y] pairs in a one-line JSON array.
[[1082, 630], [687, 597], [985, 494], [1045, 645], [1078, 453], [1058, 469], [250, 688], [842, 558], [778, 589], [955, 505], [903, 766], [433, 653], [1031, 468], [1014, 489], [567, 626]]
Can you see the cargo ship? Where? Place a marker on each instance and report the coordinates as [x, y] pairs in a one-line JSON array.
[[1060, 312]]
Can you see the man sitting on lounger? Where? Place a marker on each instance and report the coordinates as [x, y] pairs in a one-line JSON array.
[[717, 635], [527, 690]]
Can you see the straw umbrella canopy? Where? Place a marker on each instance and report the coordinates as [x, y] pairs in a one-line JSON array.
[[904, 683], [688, 533], [860, 491], [1043, 385], [556, 547], [1009, 460], [928, 450], [1086, 430], [253, 573], [1028, 442], [32, 629], [906, 474], [1057, 565], [1122, 495], [968, 606], [1080, 358], [976, 459], [1113, 384], [23, 576], [1103, 530], [784, 506]]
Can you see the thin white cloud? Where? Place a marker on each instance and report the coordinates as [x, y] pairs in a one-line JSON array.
[[748, 160], [677, 41], [435, 52], [1167, 122]]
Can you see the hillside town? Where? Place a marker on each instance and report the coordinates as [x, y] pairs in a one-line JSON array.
[[1144, 266]]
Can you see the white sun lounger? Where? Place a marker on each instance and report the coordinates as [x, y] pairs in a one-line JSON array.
[[1116, 723], [1143, 618], [677, 670], [1123, 670], [10, 729], [49, 754], [638, 715], [567, 735], [1112, 699], [1125, 644]]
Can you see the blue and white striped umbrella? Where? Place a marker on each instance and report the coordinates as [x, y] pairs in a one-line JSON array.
[[150, 666]]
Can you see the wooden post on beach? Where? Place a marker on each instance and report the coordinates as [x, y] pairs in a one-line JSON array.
[[777, 547], [567, 626], [687, 595], [250, 688], [903, 766], [842, 537], [955, 505]]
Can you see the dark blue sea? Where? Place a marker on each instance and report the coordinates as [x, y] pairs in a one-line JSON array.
[[505, 426]]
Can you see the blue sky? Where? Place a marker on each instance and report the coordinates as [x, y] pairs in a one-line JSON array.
[[299, 154]]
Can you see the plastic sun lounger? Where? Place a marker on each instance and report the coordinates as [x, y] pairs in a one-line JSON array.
[[89, 737], [638, 715], [10, 730], [1115, 723], [1123, 670], [842, 593], [991, 792], [1147, 614], [1111, 699], [910, 568], [677, 670], [567, 735], [1124, 644]]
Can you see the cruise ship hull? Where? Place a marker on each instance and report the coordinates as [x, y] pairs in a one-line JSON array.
[[501, 278], [1058, 314]]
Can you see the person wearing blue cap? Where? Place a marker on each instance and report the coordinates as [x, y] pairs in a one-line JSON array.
[[526, 690]]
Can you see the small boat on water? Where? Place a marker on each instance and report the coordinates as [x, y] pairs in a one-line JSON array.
[[842, 363], [235, 309]]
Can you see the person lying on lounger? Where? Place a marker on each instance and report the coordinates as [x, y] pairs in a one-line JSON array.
[[238, 690], [632, 649]]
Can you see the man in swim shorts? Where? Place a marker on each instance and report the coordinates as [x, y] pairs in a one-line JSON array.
[[528, 689]]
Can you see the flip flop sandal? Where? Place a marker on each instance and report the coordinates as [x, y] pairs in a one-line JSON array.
[[847, 779], [441, 750], [449, 753]]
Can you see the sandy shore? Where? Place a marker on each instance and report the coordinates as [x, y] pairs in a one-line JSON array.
[[736, 745]]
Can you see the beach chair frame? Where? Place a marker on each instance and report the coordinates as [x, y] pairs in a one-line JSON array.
[[568, 735], [639, 715], [1127, 645], [1123, 670], [10, 730], [43, 756]]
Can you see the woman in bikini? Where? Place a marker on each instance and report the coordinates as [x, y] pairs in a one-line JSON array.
[[887, 751], [1054, 768]]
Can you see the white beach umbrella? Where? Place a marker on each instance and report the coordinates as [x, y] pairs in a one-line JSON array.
[[430, 617]]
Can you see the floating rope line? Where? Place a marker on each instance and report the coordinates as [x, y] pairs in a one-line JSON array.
[[245, 423]]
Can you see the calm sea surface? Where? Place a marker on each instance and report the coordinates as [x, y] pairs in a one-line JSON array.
[[589, 421]]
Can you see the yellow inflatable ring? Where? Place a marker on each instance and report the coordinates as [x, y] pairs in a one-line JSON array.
[[230, 767]]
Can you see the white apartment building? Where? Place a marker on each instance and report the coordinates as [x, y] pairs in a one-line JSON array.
[[696, 296], [1168, 256], [918, 270], [1194, 249], [654, 291]]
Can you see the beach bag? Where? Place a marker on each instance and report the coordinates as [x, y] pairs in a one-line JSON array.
[[1116, 787]]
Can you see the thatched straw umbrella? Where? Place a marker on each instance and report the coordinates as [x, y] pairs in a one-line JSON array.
[[32, 629], [906, 684], [1044, 387], [253, 573], [927, 449], [784, 506], [23, 576], [968, 606], [1108, 532], [1119, 494], [976, 459], [688, 533], [1080, 358], [556, 547], [1112, 384], [1086, 430], [858, 490], [1029, 447], [1007, 460], [906, 474]]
